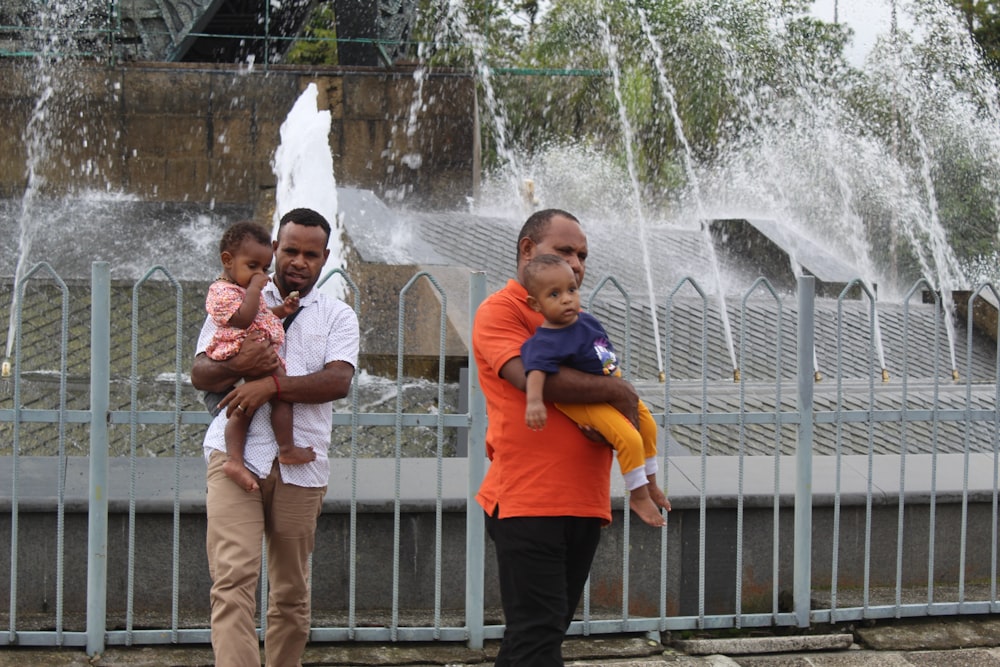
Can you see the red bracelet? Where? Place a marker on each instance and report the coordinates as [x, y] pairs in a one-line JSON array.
[[277, 388]]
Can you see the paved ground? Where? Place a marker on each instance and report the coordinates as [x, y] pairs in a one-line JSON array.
[[936, 642]]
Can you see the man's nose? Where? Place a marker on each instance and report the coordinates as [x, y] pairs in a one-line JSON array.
[[577, 267]]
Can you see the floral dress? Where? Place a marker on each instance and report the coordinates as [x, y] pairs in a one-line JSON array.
[[223, 300]]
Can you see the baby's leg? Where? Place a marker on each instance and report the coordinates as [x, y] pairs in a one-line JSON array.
[[281, 423], [627, 441], [234, 467], [648, 431]]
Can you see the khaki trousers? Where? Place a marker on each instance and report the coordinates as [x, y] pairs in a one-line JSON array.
[[238, 521]]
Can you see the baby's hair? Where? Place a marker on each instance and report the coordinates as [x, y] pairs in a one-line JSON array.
[[534, 267], [238, 232]]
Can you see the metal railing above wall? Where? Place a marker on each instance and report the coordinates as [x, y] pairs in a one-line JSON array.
[[812, 553]]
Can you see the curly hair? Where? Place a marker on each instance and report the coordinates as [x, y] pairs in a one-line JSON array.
[[238, 232]]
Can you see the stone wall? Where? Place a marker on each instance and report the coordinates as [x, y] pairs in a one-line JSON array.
[[173, 132]]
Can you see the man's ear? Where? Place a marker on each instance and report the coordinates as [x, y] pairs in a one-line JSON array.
[[525, 247], [533, 304]]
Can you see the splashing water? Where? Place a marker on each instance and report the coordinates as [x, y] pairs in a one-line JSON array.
[[612, 55], [692, 180], [303, 166], [39, 139]]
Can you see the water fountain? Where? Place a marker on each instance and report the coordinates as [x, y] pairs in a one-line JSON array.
[[303, 166], [811, 147], [804, 154]]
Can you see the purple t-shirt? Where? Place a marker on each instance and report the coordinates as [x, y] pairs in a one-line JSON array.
[[583, 345]]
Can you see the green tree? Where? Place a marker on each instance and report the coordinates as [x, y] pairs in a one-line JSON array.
[[318, 43], [982, 18]]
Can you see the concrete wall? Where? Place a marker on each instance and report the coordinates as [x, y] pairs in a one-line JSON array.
[[375, 501], [174, 132]]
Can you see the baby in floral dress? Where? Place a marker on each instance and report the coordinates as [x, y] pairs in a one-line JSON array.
[[236, 305]]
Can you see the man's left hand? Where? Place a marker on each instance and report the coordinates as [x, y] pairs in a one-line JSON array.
[[248, 396]]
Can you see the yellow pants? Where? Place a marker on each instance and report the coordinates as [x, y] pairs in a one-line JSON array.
[[633, 446]]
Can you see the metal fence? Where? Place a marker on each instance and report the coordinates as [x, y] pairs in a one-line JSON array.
[[859, 533]]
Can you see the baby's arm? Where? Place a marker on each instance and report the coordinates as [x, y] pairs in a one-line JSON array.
[[535, 414], [244, 317], [287, 307]]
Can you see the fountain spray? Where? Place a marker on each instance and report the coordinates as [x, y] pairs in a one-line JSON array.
[[612, 54], [692, 179]]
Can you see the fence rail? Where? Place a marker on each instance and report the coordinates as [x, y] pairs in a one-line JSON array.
[[781, 537]]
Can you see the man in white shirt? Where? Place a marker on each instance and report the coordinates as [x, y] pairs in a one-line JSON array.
[[321, 353]]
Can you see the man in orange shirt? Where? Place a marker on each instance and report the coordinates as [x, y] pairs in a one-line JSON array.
[[547, 493]]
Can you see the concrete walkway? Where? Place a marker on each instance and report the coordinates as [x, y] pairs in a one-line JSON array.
[[944, 642]]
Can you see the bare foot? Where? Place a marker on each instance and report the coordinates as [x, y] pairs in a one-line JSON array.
[[296, 455], [236, 471], [641, 503], [657, 496]]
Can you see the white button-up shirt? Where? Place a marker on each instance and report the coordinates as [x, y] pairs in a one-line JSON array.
[[326, 330]]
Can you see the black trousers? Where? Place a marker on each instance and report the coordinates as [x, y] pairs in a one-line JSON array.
[[543, 565]]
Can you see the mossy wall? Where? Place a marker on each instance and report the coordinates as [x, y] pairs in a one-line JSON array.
[[175, 132]]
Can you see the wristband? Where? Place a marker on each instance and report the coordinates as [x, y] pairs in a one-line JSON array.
[[277, 388]]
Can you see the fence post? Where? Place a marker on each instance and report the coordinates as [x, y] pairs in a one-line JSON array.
[[100, 399], [802, 570], [475, 531]]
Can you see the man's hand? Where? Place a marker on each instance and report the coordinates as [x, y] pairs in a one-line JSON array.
[[249, 396], [255, 358], [627, 403], [592, 434]]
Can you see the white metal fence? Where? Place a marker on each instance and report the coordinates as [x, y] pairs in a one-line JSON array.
[[798, 499]]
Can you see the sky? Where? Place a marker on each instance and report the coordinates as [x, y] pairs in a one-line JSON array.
[[868, 19]]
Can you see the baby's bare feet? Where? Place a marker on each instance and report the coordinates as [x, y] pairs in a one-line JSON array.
[[657, 496], [641, 503], [236, 471], [292, 456], [647, 511]]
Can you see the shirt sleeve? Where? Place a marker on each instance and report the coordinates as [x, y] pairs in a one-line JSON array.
[[536, 355], [208, 329], [498, 333], [344, 339]]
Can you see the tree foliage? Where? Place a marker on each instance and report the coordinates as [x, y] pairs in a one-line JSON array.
[[683, 89], [982, 18], [318, 44]]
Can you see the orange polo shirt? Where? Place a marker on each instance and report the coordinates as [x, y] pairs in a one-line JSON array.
[[553, 472]]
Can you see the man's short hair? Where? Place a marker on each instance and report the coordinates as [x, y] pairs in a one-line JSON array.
[[537, 225], [306, 217]]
